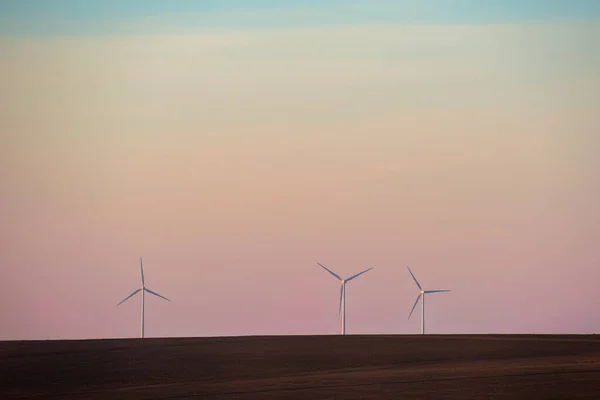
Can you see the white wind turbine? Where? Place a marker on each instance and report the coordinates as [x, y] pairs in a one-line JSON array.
[[423, 293], [143, 289], [342, 309]]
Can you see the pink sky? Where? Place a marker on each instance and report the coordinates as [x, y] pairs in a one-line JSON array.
[[233, 163]]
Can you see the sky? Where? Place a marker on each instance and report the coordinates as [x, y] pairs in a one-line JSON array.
[[235, 144]]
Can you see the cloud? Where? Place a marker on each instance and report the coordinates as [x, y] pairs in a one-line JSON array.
[[336, 72], [158, 18]]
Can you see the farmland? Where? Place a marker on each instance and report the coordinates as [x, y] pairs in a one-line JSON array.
[[308, 367]]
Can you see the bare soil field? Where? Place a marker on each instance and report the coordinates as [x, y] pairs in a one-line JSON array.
[[305, 367]]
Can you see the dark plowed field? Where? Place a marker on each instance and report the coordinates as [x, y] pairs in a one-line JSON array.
[[305, 367]]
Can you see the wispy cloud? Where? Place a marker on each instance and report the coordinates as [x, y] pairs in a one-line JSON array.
[[139, 17]]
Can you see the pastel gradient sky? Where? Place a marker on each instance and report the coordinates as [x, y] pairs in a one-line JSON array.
[[235, 144]]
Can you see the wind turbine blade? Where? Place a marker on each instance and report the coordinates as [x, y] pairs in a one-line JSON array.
[[416, 281], [413, 309], [357, 275], [156, 294], [331, 272], [142, 268], [341, 295], [436, 291], [131, 295]]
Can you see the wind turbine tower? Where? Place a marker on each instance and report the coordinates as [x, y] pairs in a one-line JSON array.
[[342, 308], [142, 289], [422, 294]]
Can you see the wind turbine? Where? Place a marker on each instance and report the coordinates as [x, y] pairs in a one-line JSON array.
[[143, 289], [342, 309], [423, 293]]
